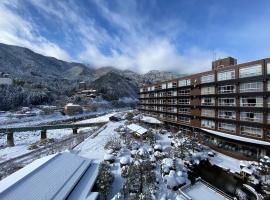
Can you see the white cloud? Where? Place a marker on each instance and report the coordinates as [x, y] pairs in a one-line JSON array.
[[15, 30], [137, 45]]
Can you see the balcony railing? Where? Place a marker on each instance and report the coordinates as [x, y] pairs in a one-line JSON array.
[[251, 104]]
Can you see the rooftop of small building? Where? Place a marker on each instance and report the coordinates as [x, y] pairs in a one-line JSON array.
[[59, 176]]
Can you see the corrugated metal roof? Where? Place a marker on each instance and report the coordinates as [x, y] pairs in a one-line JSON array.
[[136, 128], [55, 179]]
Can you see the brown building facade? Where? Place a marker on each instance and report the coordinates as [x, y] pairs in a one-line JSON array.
[[230, 104]]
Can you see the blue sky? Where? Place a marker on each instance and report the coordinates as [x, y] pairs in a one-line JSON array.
[[142, 35]]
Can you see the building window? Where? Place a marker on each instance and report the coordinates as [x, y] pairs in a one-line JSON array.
[[226, 75], [251, 116], [184, 92], [208, 124], [251, 101], [208, 101], [251, 131], [152, 88], [268, 68], [185, 82], [171, 117], [184, 110], [226, 102], [158, 87], [141, 89], [172, 109], [208, 78], [255, 70], [169, 85], [208, 113], [268, 84], [251, 87], [227, 127], [184, 101], [174, 93], [164, 86], [172, 101], [226, 114], [226, 89], [208, 90], [184, 119], [268, 118], [268, 102]]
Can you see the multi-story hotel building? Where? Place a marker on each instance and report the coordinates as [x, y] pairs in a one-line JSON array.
[[229, 105]]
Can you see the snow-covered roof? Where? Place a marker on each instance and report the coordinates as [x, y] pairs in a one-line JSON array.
[[201, 191], [62, 176], [150, 120], [136, 128], [247, 170], [238, 138]]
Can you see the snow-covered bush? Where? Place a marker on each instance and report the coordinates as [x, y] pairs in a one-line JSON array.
[[104, 180], [113, 143], [109, 158]]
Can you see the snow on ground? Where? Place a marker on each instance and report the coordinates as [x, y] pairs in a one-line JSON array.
[[104, 118], [93, 148], [226, 162], [23, 139]]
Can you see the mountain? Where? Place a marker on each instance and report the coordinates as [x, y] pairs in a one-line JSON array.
[[114, 86], [41, 79], [24, 63]]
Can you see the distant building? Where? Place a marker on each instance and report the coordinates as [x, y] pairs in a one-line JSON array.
[[87, 93], [137, 130], [59, 176], [82, 85], [5, 79], [72, 109]]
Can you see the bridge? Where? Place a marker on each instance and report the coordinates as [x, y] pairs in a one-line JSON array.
[[43, 129]]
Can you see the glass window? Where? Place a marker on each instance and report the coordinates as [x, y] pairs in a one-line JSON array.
[[208, 123], [184, 82], [184, 110], [251, 87], [184, 101], [268, 85], [185, 92], [227, 127], [226, 75], [164, 86], [208, 78], [226, 114], [226, 102], [185, 119], [251, 101], [208, 113], [268, 68], [208, 90], [255, 70], [208, 101], [251, 131], [226, 89], [169, 85], [141, 89], [251, 116]]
